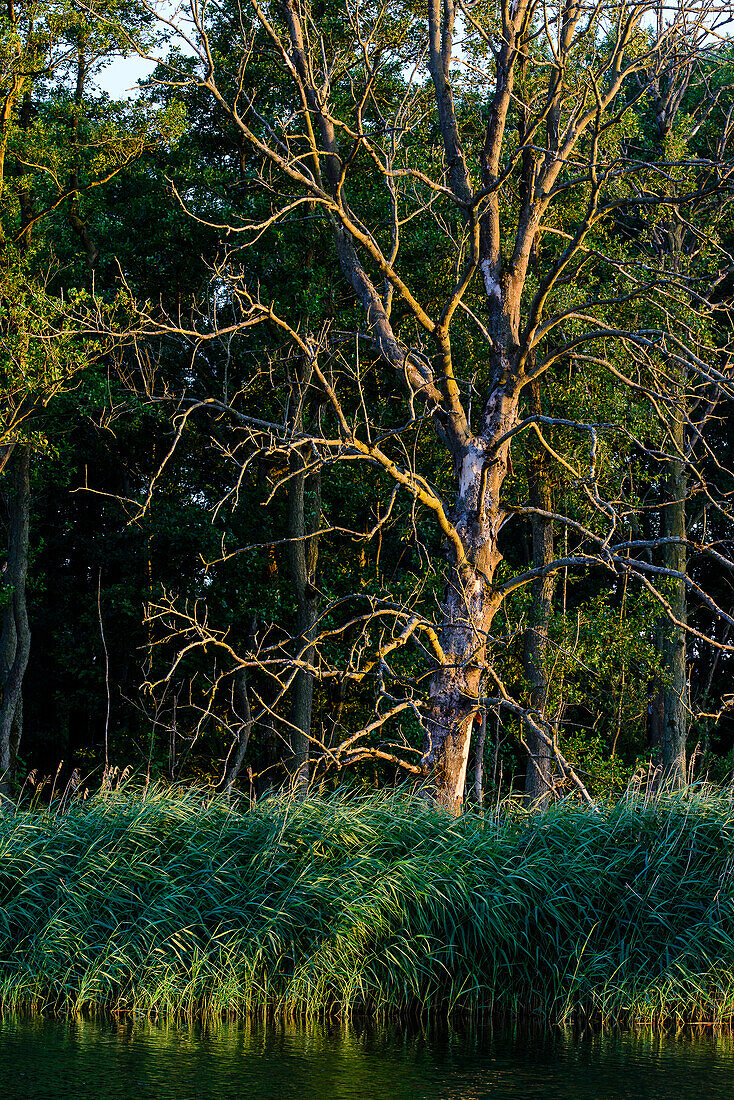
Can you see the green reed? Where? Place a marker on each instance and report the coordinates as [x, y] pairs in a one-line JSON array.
[[175, 903]]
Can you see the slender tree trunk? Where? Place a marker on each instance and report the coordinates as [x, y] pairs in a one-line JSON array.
[[16, 636], [538, 786], [669, 717], [304, 511], [669, 712], [479, 747], [241, 707], [243, 716]]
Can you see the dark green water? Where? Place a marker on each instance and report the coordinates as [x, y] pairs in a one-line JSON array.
[[88, 1061]]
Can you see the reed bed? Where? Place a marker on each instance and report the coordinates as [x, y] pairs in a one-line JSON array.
[[173, 903]]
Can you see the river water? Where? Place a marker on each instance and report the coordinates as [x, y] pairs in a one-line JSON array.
[[54, 1060]]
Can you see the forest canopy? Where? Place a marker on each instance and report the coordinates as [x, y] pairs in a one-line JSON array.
[[365, 381]]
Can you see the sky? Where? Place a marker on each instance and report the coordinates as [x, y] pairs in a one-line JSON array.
[[119, 79]]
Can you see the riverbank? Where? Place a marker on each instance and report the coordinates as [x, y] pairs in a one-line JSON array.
[[170, 903]]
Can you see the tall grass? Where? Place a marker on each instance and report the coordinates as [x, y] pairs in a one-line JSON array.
[[173, 903]]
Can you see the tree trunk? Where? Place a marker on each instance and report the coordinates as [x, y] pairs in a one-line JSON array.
[[304, 512], [669, 712], [15, 642], [538, 784], [243, 715], [470, 602], [241, 708], [669, 716], [481, 741]]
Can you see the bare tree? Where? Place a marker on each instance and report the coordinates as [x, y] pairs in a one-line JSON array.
[[526, 184]]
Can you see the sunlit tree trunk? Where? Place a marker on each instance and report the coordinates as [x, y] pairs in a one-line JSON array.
[[469, 605]]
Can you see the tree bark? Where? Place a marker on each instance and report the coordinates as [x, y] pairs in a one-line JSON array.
[[16, 636], [470, 602]]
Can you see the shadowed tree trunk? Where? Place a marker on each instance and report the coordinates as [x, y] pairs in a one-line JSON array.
[[669, 712], [15, 641], [304, 512], [243, 715], [669, 716], [241, 708], [481, 741]]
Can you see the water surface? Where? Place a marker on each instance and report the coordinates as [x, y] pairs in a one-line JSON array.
[[53, 1060]]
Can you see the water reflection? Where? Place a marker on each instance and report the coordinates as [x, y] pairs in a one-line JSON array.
[[55, 1060]]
